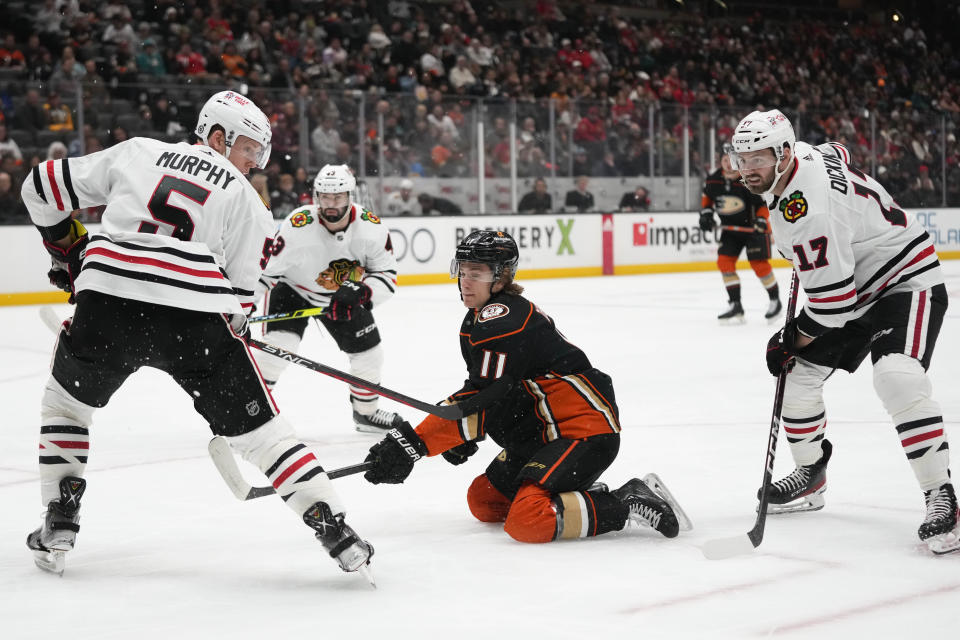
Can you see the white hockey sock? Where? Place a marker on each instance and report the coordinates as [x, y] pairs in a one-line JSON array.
[[291, 467], [804, 417], [367, 365], [64, 439], [905, 390]]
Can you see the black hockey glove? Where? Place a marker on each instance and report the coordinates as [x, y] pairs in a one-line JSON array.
[[761, 225], [707, 221], [346, 299], [66, 263], [782, 350], [460, 453], [393, 457]]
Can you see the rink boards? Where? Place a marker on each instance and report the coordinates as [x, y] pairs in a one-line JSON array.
[[551, 246]]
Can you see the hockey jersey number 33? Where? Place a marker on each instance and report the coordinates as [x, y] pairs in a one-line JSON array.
[[847, 239], [182, 227]]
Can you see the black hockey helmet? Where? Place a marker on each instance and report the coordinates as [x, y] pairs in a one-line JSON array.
[[495, 248]]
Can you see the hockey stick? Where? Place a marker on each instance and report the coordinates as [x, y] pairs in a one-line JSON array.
[[449, 412], [738, 229], [289, 315], [721, 548], [226, 464]]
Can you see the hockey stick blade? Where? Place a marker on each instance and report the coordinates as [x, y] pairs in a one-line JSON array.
[[226, 464], [290, 315], [723, 548], [50, 319], [449, 412]]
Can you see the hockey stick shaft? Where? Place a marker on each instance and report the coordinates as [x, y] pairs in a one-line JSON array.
[[289, 315], [756, 534], [721, 548], [226, 465], [739, 229], [449, 412]]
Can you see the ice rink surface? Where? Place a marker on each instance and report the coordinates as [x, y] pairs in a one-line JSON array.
[[165, 551]]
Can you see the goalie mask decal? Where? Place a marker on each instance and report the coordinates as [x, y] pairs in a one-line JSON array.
[[339, 270], [491, 311], [794, 207]]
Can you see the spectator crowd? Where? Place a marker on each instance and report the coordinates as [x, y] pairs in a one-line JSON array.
[[594, 90]]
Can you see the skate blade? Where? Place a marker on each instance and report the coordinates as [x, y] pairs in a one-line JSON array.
[[732, 321], [812, 502], [368, 574], [656, 485], [51, 561], [365, 428], [945, 542]]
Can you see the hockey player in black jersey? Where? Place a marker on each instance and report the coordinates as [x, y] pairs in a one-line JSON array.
[[539, 398], [743, 225], [167, 283]]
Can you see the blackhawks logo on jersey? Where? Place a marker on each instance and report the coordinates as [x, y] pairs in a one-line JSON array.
[[370, 216], [300, 219], [339, 270], [794, 207]]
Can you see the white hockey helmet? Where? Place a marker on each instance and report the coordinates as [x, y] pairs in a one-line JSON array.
[[762, 130], [238, 116], [334, 178]]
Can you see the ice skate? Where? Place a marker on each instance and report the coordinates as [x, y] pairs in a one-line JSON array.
[[803, 489], [939, 529], [378, 422], [646, 508], [58, 534], [773, 310], [340, 540], [733, 314]]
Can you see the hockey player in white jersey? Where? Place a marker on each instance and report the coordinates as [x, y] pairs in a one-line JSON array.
[[874, 286], [333, 254], [167, 283]]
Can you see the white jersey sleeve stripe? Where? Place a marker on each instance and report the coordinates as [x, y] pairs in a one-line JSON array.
[[68, 183], [54, 189], [38, 184]]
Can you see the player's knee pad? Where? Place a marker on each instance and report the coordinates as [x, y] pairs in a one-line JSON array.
[[255, 446], [532, 516], [803, 391], [271, 366], [486, 503], [727, 264], [58, 407], [292, 468], [761, 267], [902, 384], [367, 364]]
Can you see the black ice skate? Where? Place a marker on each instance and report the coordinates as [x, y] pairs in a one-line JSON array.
[[803, 489], [58, 534], [733, 314], [647, 508], [340, 540], [773, 310], [379, 421], [939, 529]]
